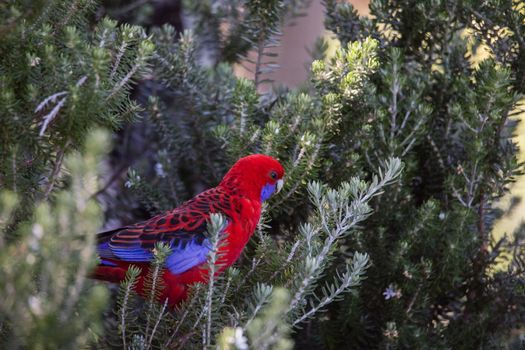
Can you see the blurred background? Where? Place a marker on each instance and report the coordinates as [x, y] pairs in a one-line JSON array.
[[187, 87], [293, 57]]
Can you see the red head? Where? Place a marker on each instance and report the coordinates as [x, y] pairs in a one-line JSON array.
[[257, 176]]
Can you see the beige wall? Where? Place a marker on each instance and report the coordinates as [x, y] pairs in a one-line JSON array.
[[298, 38]]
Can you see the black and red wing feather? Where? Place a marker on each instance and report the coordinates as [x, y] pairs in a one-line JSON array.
[[183, 229]]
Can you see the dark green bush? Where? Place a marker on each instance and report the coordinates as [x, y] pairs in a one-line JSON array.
[[422, 271]]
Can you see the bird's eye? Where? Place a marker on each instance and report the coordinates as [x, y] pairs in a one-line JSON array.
[[273, 175]]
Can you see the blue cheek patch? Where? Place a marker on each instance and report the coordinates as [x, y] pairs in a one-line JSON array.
[[267, 191]]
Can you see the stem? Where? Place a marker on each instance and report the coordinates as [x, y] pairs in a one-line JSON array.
[[187, 308], [413, 300], [151, 299], [121, 51], [288, 260], [56, 170], [68, 16], [260, 51], [159, 318], [255, 264], [124, 80], [13, 167], [324, 302], [123, 315], [209, 302], [256, 310]]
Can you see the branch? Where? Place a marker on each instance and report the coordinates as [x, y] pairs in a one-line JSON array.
[[56, 170]]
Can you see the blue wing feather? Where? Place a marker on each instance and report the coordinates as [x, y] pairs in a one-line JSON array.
[[184, 258]]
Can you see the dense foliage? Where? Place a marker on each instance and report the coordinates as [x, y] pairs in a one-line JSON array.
[[395, 150]]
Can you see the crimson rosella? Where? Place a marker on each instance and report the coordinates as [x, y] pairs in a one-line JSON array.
[[252, 180]]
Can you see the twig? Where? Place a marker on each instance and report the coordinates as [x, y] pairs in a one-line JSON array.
[[413, 300], [49, 99], [56, 170], [124, 81], [481, 224], [288, 260], [68, 16], [260, 52], [187, 309], [152, 294], [112, 179], [226, 290], [159, 318], [48, 118], [255, 263], [13, 168], [123, 314], [184, 339], [259, 304], [121, 51]]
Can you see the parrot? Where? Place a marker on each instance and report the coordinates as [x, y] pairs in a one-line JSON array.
[[238, 197]]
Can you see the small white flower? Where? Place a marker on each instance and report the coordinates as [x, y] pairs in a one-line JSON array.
[[236, 338], [128, 184], [35, 305], [159, 170], [35, 61], [442, 216], [391, 333], [38, 231], [30, 259], [240, 340]]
